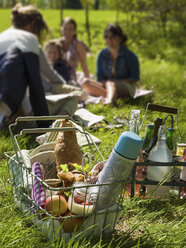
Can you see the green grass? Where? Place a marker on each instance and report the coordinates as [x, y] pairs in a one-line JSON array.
[[145, 222]]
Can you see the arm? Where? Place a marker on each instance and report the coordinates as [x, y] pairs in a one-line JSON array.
[[99, 71], [82, 58], [134, 69], [47, 71], [37, 97]]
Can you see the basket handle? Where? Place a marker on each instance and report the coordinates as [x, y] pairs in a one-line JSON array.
[[161, 108], [172, 120]]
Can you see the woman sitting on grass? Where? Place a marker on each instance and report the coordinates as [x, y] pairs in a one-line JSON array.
[[117, 68], [74, 51]]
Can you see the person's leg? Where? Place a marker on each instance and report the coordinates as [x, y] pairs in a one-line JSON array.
[[76, 92], [5, 113], [125, 89], [93, 87], [118, 89], [110, 93]]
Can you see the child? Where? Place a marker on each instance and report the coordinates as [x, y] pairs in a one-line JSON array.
[[53, 55]]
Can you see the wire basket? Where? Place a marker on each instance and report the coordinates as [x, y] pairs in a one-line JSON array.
[[58, 210]]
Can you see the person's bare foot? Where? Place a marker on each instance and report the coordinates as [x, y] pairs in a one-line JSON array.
[[106, 101]]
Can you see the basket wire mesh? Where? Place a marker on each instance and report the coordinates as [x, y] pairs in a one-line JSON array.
[[23, 180]]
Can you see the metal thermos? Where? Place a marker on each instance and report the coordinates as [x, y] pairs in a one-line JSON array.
[[117, 169]]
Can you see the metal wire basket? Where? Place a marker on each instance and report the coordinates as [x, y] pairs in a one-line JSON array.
[[66, 215]]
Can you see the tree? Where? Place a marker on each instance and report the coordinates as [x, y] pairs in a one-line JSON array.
[[87, 4], [162, 9], [96, 4]]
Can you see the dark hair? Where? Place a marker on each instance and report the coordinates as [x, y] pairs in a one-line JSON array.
[[71, 21], [116, 30], [24, 15]]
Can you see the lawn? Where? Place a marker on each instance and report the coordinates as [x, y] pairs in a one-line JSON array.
[[145, 222]]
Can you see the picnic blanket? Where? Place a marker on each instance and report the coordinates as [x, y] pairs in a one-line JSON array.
[[142, 92], [139, 93]]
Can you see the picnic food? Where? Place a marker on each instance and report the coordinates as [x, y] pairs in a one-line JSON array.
[[72, 224], [80, 207], [68, 178], [67, 149], [56, 204]]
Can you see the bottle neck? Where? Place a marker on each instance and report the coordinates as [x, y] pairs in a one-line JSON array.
[[157, 124], [162, 133], [162, 138], [134, 124]]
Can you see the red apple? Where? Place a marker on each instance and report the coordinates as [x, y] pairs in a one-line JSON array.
[[57, 205]]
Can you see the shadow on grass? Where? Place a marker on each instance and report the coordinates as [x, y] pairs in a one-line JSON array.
[[170, 209], [124, 240], [140, 101]]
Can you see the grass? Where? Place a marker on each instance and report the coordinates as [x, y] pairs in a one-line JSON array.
[[145, 222]]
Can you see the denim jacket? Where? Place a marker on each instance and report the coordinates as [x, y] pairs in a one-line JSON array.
[[126, 65]]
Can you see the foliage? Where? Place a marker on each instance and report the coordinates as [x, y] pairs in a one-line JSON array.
[[77, 167]]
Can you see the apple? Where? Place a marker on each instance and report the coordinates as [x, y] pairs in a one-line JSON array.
[[72, 224], [57, 205]]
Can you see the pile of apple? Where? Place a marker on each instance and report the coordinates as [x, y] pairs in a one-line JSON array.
[[58, 206]]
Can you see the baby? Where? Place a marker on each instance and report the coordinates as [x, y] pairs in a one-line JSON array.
[[53, 55]]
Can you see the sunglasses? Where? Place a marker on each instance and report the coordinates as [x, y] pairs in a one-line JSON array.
[[109, 37]]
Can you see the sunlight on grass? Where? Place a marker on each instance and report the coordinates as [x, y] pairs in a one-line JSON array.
[[145, 223]]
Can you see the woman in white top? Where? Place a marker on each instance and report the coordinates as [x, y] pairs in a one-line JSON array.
[[74, 50]]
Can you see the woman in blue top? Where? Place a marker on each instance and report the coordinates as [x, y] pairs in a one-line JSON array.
[[117, 68]]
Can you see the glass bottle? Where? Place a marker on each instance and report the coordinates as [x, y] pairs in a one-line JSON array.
[[160, 153], [182, 191], [148, 136], [157, 123], [134, 127], [146, 143], [134, 121], [139, 172], [143, 186]]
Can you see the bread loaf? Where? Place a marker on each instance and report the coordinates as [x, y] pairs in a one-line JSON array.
[[66, 148]]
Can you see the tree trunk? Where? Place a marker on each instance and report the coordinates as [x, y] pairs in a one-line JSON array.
[[13, 3], [96, 4], [61, 11], [163, 18], [87, 23], [117, 15]]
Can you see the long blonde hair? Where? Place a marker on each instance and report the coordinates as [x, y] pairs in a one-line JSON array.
[[24, 15]]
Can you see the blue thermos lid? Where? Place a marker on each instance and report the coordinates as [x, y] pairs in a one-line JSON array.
[[128, 145]]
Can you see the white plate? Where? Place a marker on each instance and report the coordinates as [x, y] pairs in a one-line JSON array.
[[42, 148], [44, 158]]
